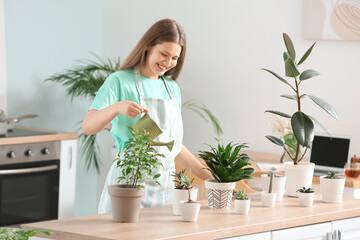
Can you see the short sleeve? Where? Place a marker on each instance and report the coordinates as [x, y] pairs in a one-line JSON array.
[[107, 94]]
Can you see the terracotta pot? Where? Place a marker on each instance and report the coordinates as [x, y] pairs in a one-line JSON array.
[[306, 199], [125, 202], [278, 185], [242, 206], [189, 211], [268, 199], [219, 194], [298, 176], [332, 190], [182, 195]]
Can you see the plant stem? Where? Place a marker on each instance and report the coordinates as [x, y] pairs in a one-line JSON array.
[[296, 159]]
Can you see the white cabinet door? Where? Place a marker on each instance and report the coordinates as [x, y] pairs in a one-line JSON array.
[[310, 232], [257, 236], [67, 178], [349, 228]]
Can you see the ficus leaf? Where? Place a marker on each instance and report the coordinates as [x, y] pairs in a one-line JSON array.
[[289, 46], [306, 54], [285, 115], [290, 68], [292, 97], [324, 105], [279, 77], [303, 128], [275, 140], [307, 74]]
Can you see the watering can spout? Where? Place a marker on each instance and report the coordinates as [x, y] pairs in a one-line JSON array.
[[169, 145]]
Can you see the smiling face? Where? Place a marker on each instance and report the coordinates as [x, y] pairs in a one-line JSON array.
[[160, 59]]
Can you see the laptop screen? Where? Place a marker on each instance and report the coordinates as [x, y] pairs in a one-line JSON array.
[[330, 153]]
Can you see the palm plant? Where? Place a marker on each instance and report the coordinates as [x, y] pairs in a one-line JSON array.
[[301, 123], [85, 79]]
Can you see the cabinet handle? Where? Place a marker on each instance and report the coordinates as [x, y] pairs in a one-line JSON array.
[[329, 236], [70, 158], [337, 235]]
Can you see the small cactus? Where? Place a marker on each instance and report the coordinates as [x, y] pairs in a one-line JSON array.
[[305, 190], [332, 175]]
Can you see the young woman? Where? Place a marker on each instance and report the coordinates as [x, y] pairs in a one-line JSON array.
[[146, 82]]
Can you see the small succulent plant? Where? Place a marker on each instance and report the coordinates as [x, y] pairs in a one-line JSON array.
[[332, 175], [241, 195], [182, 181], [305, 190]]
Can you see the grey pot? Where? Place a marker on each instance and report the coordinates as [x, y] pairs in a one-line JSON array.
[[125, 202]]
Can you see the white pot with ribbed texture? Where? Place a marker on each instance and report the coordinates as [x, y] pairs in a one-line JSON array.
[[242, 206], [278, 185], [182, 195], [189, 211], [298, 176], [306, 199], [332, 190], [219, 194]]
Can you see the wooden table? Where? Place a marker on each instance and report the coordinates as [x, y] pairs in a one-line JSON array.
[[160, 223]]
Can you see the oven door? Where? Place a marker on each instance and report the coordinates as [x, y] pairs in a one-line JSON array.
[[29, 192]]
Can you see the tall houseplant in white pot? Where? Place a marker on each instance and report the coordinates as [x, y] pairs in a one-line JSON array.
[[299, 174], [227, 166], [137, 162], [183, 190]]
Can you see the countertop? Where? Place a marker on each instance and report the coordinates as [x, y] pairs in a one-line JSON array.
[[160, 223], [53, 136]]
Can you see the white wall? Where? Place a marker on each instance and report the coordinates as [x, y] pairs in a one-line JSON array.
[[228, 43], [3, 99], [43, 38]]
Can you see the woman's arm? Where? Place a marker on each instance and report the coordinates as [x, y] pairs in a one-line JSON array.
[[187, 160], [96, 120]]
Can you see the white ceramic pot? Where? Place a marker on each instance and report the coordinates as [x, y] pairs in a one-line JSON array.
[[219, 194], [278, 185], [298, 176], [182, 195], [268, 199], [189, 211], [332, 190], [306, 199], [242, 206]]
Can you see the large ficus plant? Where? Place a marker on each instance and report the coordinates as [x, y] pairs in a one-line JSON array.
[[226, 164], [302, 124]]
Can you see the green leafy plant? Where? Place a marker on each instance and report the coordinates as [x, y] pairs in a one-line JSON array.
[[226, 164], [305, 190], [20, 234], [302, 124], [332, 175], [138, 160], [181, 180], [85, 79], [241, 195]]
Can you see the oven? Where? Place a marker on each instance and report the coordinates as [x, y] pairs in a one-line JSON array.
[[29, 182]]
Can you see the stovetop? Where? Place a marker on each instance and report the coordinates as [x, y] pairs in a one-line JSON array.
[[23, 133]]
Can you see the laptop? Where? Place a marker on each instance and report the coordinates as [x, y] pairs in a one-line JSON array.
[[330, 153]]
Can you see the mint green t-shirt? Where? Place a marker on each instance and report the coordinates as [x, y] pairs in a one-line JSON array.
[[121, 86]]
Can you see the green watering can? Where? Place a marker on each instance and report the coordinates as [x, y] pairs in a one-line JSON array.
[[147, 124]]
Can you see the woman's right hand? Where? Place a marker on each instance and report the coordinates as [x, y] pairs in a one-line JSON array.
[[130, 109]]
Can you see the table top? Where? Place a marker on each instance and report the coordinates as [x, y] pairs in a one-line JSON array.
[[160, 223]]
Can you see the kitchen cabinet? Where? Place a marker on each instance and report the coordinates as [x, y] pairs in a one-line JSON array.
[[310, 232], [256, 236], [67, 178], [349, 228]]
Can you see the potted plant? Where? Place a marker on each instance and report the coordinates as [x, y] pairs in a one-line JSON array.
[[227, 166], [137, 162], [268, 198], [298, 173], [182, 187], [332, 187], [189, 209], [20, 234], [306, 196], [278, 184], [241, 202]]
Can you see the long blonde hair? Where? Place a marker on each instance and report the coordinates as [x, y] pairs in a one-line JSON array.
[[165, 30]]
